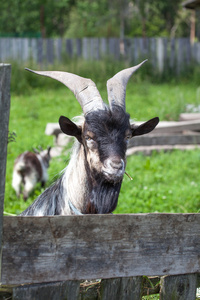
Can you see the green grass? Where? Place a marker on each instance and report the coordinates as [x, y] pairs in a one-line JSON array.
[[164, 182]]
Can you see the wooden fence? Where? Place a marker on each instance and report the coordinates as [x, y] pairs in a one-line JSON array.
[[49, 257], [72, 248], [176, 54]]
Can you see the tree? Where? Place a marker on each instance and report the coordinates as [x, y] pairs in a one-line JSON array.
[[49, 17], [158, 18], [91, 18]]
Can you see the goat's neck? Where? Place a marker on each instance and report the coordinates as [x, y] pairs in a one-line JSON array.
[[87, 194], [76, 179]]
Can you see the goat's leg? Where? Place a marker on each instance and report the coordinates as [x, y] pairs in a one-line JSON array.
[[29, 185], [43, 183], [16, 182]]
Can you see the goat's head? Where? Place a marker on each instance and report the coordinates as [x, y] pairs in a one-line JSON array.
[[44, 155], [106, 129]]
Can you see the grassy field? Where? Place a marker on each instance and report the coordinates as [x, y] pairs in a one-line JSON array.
[[163, 182]]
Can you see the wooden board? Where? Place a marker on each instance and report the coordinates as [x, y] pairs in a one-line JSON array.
[[172, 127], [5, 75], [121, 288], [147, 150], [45, 249], [189, 116], [178, 287], [52, 291], [165, 139]]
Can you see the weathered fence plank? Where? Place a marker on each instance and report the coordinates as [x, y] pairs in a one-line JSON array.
[[103, 47], [152, 50], [5, 75], [189, 117], [50, 51], [78, 47], [121, 288], [86, 53], [166, 139], [160, 55], [53, 291], [69, 48], [99, 246], [175, 127], [58, 49], [147, 150], [178, 287], [40, 54]]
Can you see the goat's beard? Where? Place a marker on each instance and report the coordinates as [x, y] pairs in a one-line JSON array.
[[103, 197]]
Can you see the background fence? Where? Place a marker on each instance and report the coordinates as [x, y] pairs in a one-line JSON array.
[[163, 53]]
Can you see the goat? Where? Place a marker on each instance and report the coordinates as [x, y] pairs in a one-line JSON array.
[[30, 168], [91, 182]]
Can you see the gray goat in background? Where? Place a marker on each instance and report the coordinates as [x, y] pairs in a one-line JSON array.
[[91, 182], [29, 169]]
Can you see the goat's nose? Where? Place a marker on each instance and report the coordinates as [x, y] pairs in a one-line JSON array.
[[117, 163], [114, 169]]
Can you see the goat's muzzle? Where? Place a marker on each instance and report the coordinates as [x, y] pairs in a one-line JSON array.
[[114, 169]]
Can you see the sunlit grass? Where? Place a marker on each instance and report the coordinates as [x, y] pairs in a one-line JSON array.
[[163, 182]]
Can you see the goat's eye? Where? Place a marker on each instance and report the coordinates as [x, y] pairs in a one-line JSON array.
[[88, 138], [91, 144], [128, 137]]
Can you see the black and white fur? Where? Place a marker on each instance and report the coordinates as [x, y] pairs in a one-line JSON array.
[[91, 182], [29, 169]]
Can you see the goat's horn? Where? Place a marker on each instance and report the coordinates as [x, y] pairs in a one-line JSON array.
[[84, 89], [116, 86]]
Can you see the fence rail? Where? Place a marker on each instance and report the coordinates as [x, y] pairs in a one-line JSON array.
[[162, 53], [39, 250]]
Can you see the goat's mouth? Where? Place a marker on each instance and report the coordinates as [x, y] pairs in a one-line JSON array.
[[113, 177], [113, 169]]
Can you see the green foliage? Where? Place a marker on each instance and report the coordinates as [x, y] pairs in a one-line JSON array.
[[93, 22], [164, 182], [151, 297], [80, 18], [21, 17], [22, 82]]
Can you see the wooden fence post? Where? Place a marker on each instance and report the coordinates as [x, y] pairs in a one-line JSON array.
[[53, 290], [122, 288], [5, 75], [178, 287]]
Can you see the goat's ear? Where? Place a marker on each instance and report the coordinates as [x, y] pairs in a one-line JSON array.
[[36, 151], [48, 150], [70, 128], [144, 127]]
